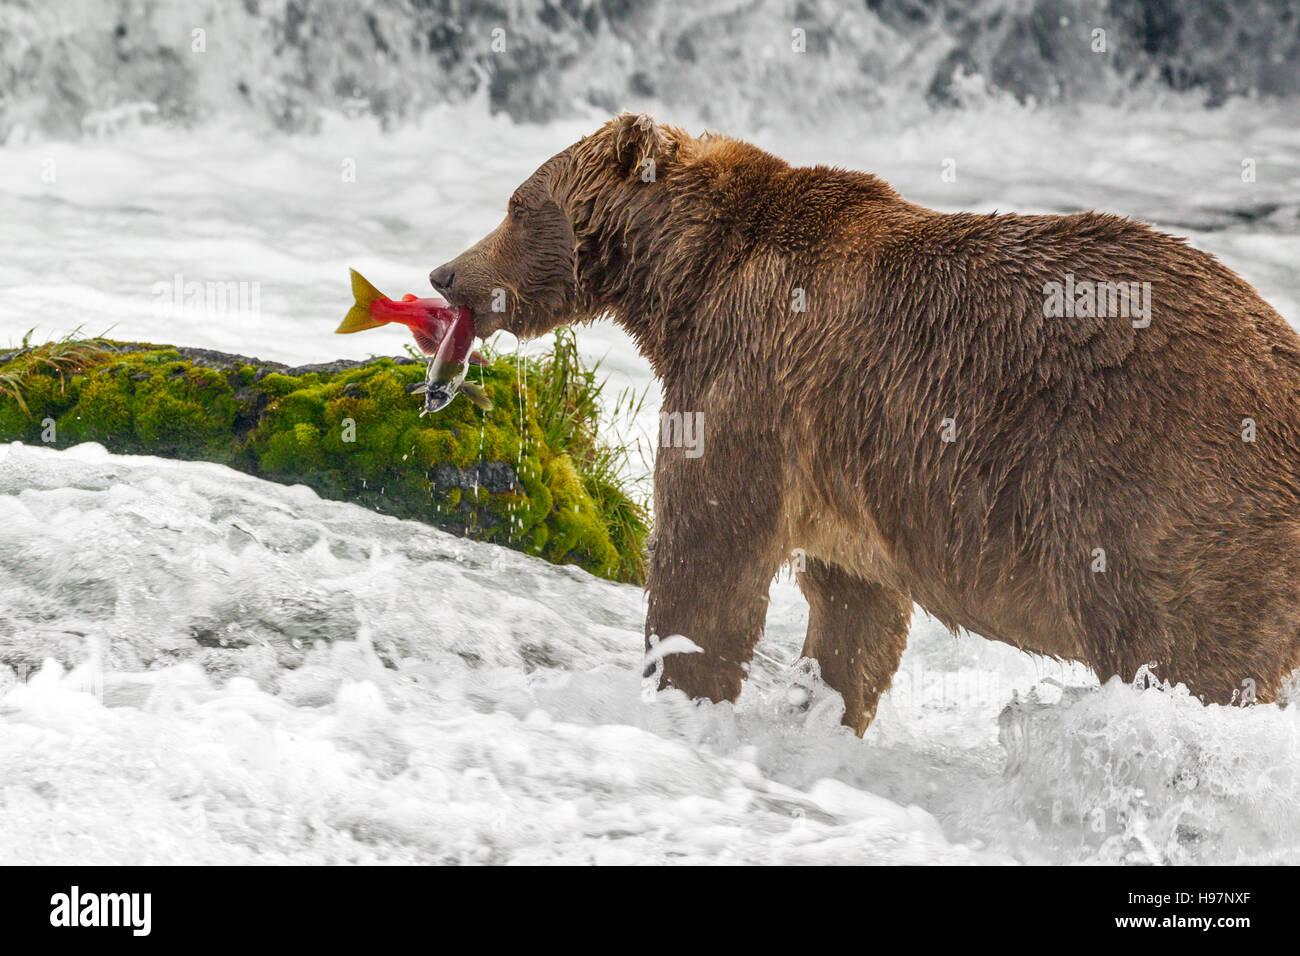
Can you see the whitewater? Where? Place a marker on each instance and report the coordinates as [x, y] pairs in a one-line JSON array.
[[204, 667]]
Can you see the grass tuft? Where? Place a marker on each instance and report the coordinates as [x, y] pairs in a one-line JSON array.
[[568, 395], [62, 357]]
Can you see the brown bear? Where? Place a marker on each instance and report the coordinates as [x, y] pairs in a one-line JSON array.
[[1072, 433]]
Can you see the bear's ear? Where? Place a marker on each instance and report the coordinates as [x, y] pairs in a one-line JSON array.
[[642, 146]]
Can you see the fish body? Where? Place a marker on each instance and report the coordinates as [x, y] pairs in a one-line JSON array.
[[443, 332], [445, 377]]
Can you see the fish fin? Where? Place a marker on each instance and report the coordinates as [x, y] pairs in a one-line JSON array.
[[476, 358], [476, 395], [359, 318], [362, 290], [427, 345], [419, 389], [410, 297]]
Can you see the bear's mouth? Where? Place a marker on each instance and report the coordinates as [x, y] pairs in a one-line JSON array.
[[485, 323]]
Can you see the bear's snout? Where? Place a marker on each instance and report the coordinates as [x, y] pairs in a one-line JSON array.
[[442, 279]]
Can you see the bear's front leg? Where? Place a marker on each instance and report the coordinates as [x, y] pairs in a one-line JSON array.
[[716, 551], [857, 631]]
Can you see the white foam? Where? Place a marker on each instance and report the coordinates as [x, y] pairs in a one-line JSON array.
[[220, 669]]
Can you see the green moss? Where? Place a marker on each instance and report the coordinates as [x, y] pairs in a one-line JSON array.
[[176, 410], [15, 424], [575, 523], [353, 433], [103, 410]]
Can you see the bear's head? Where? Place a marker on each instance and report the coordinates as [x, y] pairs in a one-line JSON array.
[[565, 249]]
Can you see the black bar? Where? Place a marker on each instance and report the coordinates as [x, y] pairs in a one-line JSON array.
[[218, 905]]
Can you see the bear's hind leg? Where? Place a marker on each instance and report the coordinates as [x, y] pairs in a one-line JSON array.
[[857, 631]]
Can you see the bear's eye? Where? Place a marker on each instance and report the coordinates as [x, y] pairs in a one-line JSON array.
[[517, 211]]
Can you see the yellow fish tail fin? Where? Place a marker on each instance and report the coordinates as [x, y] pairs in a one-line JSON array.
[[359, 318]]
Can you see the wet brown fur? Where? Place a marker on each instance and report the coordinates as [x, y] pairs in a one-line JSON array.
[[823, 427]]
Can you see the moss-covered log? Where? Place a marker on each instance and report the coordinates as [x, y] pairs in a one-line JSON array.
[[349, 430]]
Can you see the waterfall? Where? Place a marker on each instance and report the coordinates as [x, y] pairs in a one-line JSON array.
[[71, 67]]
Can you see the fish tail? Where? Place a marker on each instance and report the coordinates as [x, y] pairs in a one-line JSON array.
[[359, 318]]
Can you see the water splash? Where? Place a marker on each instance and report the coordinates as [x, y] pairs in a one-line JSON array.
[[478, 458], [1150, 775]]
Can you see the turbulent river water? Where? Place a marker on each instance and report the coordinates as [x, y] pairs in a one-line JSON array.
[[252, 674]]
